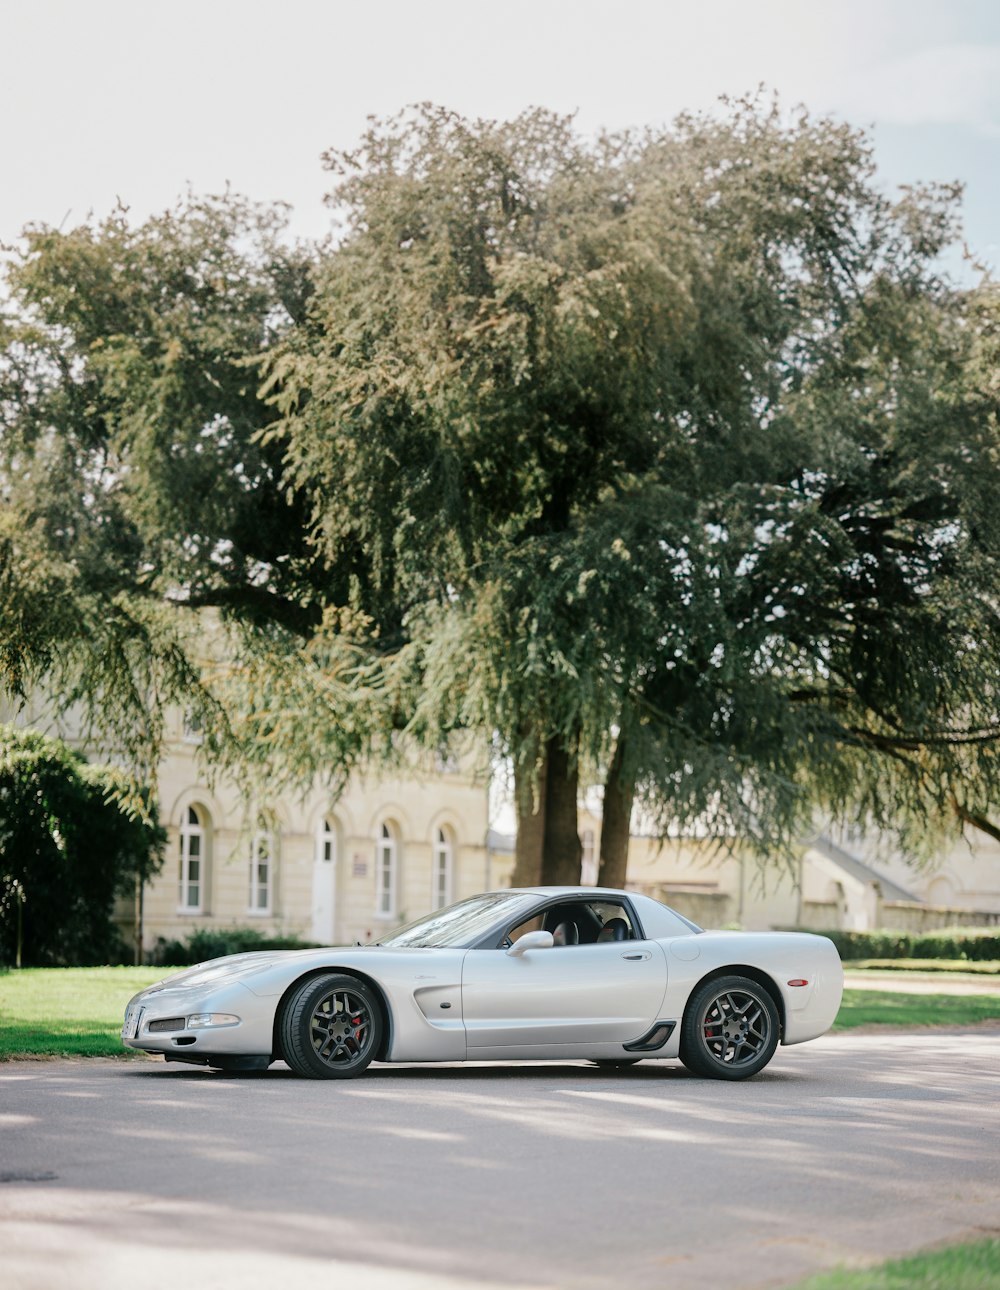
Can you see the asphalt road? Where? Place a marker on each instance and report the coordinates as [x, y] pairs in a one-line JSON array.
[[849, 1149]]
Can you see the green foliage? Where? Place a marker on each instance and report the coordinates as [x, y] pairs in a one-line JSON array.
[[675, 435], [72, 846], [134, 491], [671, 442], [956, 943], [216, 942]]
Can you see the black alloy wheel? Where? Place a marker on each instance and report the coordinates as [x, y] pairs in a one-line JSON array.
[[330, 1027], [730, 1029]]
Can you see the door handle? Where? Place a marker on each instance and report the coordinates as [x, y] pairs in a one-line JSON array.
[[637, 956]]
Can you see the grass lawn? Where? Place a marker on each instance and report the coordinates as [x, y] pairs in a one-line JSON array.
[[67, 1012], [975, 1266], [882, 1007], [983, 967], [77, 1012]]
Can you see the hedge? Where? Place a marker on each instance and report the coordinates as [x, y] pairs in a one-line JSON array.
[[953, 943]]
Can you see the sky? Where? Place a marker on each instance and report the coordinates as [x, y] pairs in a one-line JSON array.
[[105, 100]]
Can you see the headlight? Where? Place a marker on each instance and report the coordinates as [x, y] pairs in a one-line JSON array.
[[199, 1020]]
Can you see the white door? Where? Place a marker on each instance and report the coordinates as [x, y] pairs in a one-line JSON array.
[[562, 996]]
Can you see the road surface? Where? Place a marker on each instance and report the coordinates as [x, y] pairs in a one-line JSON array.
[[850, 1149]]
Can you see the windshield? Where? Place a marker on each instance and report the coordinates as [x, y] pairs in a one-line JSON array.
[[460, 924]]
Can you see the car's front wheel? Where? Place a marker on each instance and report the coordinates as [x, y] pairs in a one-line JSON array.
[[330, 1027], [730, 1029]]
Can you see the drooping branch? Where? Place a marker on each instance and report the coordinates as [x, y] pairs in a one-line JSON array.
[[976, 820]]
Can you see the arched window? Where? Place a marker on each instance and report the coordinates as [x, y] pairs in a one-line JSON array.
[[588, 866], [193, 861], [326, 842], [386, 865], [261, 872], [444, 853], [326, 857]]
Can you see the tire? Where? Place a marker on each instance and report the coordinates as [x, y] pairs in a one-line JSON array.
[[330, 1027], [730, 1029], [613, 1063]]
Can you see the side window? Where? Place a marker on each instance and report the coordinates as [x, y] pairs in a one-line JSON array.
[[326, 842], [616, 923], [589, 861], [580, 922], [443, 868], [386, 871], [194, 837], [530, 925], [261, 887]]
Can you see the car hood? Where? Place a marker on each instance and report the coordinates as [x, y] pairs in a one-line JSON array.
[[235, 967], [229, 968]]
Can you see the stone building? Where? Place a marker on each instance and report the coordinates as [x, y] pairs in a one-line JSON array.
[[394, 846]]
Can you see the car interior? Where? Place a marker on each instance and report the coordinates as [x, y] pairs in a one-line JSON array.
[[580, 922]]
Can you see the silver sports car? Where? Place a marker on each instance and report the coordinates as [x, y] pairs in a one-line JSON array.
[[543, 972]]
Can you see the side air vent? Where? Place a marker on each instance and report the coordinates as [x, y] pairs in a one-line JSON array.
[[653, 1039]]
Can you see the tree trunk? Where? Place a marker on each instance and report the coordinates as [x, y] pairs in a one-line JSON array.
[[619, 793], [529, 802], [562, 853]]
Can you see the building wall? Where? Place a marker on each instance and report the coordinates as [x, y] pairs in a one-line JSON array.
[[715, 886], [333, 900], [337, 900], [725, 886], [962, 876]]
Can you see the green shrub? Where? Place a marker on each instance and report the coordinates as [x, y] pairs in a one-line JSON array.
[[216, 942], [949, 943], [70, 843]]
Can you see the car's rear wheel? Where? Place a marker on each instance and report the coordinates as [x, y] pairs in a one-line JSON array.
[[330, 1027], [730, 1029]]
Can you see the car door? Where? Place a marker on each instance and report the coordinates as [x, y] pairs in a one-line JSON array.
[[547, 1002]]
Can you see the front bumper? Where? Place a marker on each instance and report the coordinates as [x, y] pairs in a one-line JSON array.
[[158, 1021]]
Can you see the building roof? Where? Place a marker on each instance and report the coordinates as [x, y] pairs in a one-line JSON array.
[[859, 870]]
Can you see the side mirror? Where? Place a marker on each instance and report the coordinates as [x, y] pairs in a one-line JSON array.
[[531, 941]]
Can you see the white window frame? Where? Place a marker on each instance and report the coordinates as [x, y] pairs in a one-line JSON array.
[[191, 729], [442, 868], [261, 852], [386, 872], [192, 829]]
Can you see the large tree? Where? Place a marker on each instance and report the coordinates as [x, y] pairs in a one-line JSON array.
[[666, 456], [669, 452]]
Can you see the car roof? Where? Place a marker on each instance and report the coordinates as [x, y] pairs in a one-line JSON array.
[[571, 891]]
